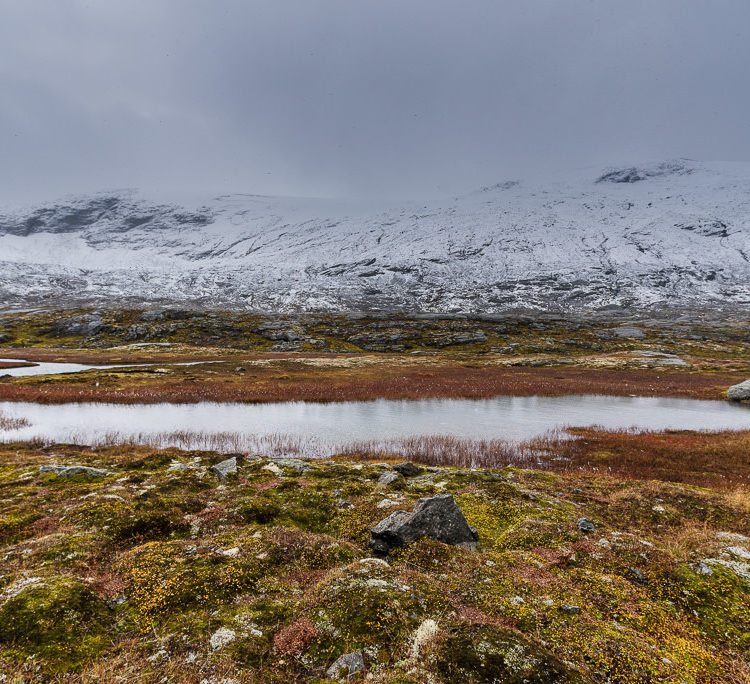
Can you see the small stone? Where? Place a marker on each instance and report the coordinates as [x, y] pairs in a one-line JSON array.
[[388, 477], [272, 468], [732, 537], [347, 665], [299, 466], [408, 469], [636, 575], [227, 467], [658, 509], [221, 637], [387, 503], [570, 610], [739, 551], [704, 568], [586, 526]]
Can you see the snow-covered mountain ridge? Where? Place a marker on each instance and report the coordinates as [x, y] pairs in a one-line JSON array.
[[672, 234]]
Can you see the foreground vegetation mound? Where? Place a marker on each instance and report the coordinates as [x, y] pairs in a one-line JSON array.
[[487, 653], [58, 620], [163, 572]]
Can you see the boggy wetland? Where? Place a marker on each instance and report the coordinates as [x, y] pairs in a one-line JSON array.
[[197, 496]]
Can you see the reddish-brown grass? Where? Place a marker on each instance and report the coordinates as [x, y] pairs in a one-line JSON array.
[[383, 380], [717, 460]]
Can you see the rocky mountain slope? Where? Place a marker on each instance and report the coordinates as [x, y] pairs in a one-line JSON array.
[[673, 234]]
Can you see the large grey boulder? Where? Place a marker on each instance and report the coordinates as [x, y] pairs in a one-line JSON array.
[[70, 471], [347, 665], [739, 392], [437, 518]]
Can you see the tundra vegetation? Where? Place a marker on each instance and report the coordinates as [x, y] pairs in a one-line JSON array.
[[334, 358], [608, 557], [154, 568]]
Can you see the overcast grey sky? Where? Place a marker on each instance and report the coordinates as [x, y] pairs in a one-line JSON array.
[[354, 97]]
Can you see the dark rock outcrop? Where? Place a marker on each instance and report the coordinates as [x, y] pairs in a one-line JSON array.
[[408, 469], [437, 518]]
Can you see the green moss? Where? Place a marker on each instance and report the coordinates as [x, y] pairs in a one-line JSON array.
[[486, 653], [368, 603], [59, 620], [719, 602], [145, 526]]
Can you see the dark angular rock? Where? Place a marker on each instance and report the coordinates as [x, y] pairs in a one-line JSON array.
[[408, 469], [437, 518], [570, 610], [586, 526], [635, 575]]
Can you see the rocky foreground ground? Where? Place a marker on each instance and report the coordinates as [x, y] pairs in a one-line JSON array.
[[169, 566]]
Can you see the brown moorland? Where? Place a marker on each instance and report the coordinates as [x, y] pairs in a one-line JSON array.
[[326, 378]]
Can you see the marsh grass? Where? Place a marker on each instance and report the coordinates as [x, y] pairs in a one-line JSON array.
[[11, 423]]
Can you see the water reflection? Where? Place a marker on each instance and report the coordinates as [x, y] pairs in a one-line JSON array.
[[338, 424]]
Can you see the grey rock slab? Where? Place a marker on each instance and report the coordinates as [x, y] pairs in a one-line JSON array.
[[347, 665], [70, 471], [437, 517], [586, 526], [226, 467]]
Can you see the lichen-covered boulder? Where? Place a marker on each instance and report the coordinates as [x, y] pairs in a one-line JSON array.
[[739, 392], [437, 517], [73, 470], [346, 665]]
